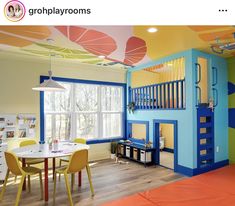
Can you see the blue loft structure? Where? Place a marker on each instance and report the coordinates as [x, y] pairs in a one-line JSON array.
[[196, 101]]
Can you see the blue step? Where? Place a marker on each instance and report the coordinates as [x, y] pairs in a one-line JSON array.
[[204, 112], [205, 125], [205, 165], [205, 135], [206, 157], [205, 146], [206, 160]]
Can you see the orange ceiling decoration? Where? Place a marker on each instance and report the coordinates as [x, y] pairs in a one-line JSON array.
[[135, 50], [13, 41], [219, 35], [120, 46], [22, 36], [206, 28], [154, 68], [218, 38], [95, 42]]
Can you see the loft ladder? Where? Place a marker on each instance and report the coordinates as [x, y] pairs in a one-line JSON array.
[[205, 121], [205, 137]]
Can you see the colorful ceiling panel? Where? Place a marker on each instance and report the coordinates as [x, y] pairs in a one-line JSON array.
[[135, 50], [120, 46], [93, 41], [22, 36]]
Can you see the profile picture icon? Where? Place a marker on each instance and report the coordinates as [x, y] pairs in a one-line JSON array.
[[14, 10]]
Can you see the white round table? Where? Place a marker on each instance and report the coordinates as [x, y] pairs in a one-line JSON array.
[[42, 151]]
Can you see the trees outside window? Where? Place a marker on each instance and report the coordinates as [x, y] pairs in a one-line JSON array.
[[84, 110]]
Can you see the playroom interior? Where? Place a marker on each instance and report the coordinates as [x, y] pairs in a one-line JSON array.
[[108, 115]]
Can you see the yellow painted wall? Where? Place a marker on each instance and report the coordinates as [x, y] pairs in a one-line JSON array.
[[142, 78], [139, 131], [204, 79], [167, 131], [18, 74], [231, 103], [176, 72], [168, 40]]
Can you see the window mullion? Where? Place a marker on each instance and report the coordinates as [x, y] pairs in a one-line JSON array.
[[72, 112], [99, 115], [53, 125], [53, 116]]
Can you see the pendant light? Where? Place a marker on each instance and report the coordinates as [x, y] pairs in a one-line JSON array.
[[49, 84]]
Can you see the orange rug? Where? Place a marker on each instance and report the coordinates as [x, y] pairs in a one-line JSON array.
[[210, 189]]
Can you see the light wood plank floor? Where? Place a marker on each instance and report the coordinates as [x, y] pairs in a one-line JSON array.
[[111, 181]]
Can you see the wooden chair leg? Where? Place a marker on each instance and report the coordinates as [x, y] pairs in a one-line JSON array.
[[15, 178], [41, 186], [54, 191], [29, 184], [68, 189], [89, 178], [4, 185], [19, 190]]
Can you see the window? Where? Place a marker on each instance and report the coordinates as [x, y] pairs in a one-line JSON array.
[[90, 111]]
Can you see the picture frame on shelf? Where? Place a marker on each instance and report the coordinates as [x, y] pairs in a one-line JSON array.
[[10, 134]]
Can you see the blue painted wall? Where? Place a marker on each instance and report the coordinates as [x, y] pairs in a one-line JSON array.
[[184, 117], [187, 121], [221, 110]]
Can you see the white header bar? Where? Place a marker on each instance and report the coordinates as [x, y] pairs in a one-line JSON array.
[[117, 12]]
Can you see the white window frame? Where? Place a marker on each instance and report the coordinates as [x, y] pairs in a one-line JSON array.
[[99, 112]]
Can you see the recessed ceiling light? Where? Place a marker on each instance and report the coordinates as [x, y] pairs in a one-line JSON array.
[[152, 30], [101, 56], [50, 41]]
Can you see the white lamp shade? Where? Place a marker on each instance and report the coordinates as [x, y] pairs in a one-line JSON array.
[[49, 85]]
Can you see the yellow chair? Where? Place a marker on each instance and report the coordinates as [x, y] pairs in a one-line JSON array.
[[77, 162], [77, 140], [14, 167], [30, 161], [66, 159]]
